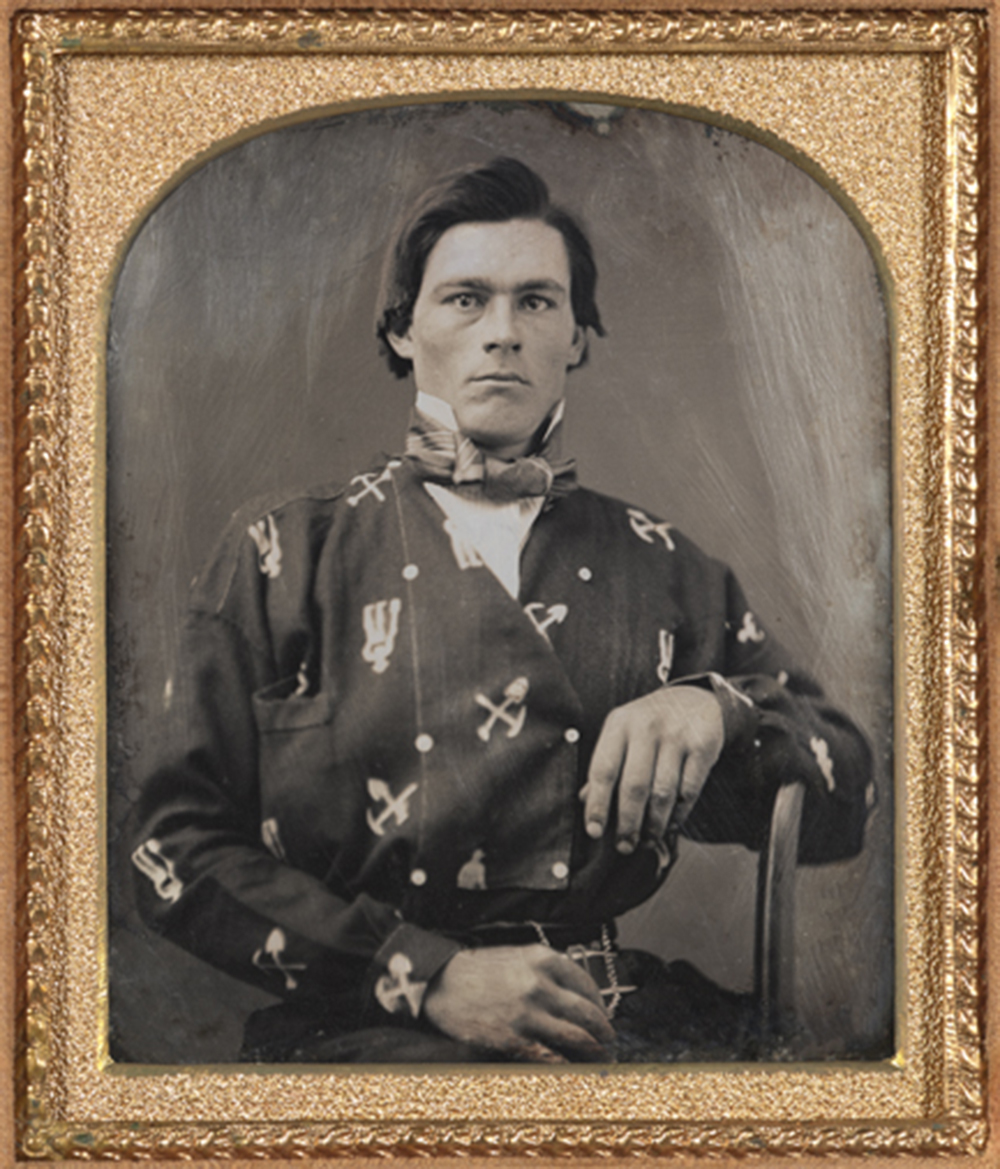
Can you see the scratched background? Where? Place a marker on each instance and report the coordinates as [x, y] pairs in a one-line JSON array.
[[742, 392]]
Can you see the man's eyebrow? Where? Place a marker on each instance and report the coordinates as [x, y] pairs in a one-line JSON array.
[[475, 284]]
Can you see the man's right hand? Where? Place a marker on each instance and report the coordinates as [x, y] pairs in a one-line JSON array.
[[530, 1003]]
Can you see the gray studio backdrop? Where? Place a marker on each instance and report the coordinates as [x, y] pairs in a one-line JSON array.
[[742, 393]]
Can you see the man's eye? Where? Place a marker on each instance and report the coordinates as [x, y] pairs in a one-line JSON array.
[[535, 303], [465, 300]]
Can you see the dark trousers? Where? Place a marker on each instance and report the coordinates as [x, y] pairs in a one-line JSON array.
[[676, 1013]]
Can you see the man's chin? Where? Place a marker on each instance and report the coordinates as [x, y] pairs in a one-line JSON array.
[[500, 442]]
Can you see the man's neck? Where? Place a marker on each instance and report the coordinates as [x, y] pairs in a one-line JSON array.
[[442, 413]]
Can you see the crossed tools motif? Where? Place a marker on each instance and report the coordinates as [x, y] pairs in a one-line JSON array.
[[395, 988], [642, 525], [513, 696], [273, 948], [370, 482], [554, 615], [396, 807]]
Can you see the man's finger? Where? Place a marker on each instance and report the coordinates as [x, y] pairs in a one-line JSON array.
[[574, 996], [530, 1051], [582, 1013], [633, 789], [664, 794], [605, 766], [566, 973], [564, 1036], [696, 768]]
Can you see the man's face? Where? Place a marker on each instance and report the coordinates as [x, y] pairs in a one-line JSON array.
[[493, 332]]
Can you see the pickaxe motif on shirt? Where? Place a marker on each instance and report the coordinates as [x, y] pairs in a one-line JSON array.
[[264, 534], [272, 949], [513, 696], [554, 615], [396, 807], [381, 624], [395, 988], [666, 656], [148, 858], [749, 631], [645, 528], [370, 486]]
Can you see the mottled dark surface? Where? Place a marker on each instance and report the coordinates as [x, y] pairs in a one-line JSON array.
[[742, 392]]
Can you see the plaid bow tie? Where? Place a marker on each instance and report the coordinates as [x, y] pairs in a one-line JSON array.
[[445, 456]]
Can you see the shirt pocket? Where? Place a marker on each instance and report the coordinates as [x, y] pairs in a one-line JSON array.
[[279, 708], [307, 794]]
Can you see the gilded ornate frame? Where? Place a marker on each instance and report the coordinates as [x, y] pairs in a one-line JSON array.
[[920, 201]]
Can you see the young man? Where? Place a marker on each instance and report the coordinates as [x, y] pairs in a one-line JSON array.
[[442, 725]]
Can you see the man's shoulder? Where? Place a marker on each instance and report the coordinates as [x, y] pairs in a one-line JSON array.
[[315, 502], [272, 531], [631, 524]]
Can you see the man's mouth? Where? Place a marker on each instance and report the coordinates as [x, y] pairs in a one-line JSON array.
[[506, 376]]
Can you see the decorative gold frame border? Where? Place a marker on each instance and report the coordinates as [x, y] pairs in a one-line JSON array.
[[945, 609]]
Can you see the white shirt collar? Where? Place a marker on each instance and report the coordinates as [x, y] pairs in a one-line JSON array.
[[440, 411]]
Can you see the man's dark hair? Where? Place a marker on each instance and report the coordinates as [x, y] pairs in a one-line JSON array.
[[502, 190]]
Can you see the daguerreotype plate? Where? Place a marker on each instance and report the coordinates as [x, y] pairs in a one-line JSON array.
[[784, 212]]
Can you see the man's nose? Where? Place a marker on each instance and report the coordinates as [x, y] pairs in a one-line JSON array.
[[501, 326]]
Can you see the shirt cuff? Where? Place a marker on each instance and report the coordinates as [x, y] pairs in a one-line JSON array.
[[404, 966], [739, 712]]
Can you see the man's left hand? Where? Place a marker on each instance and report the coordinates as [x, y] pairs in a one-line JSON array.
[[657, 751]]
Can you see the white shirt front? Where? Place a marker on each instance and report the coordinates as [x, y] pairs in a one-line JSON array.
[[497, 531]]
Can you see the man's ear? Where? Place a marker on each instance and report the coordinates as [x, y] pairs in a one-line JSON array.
[[578, 346], [402, 344]]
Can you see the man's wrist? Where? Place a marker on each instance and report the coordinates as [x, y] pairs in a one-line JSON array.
[[739, 712]]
